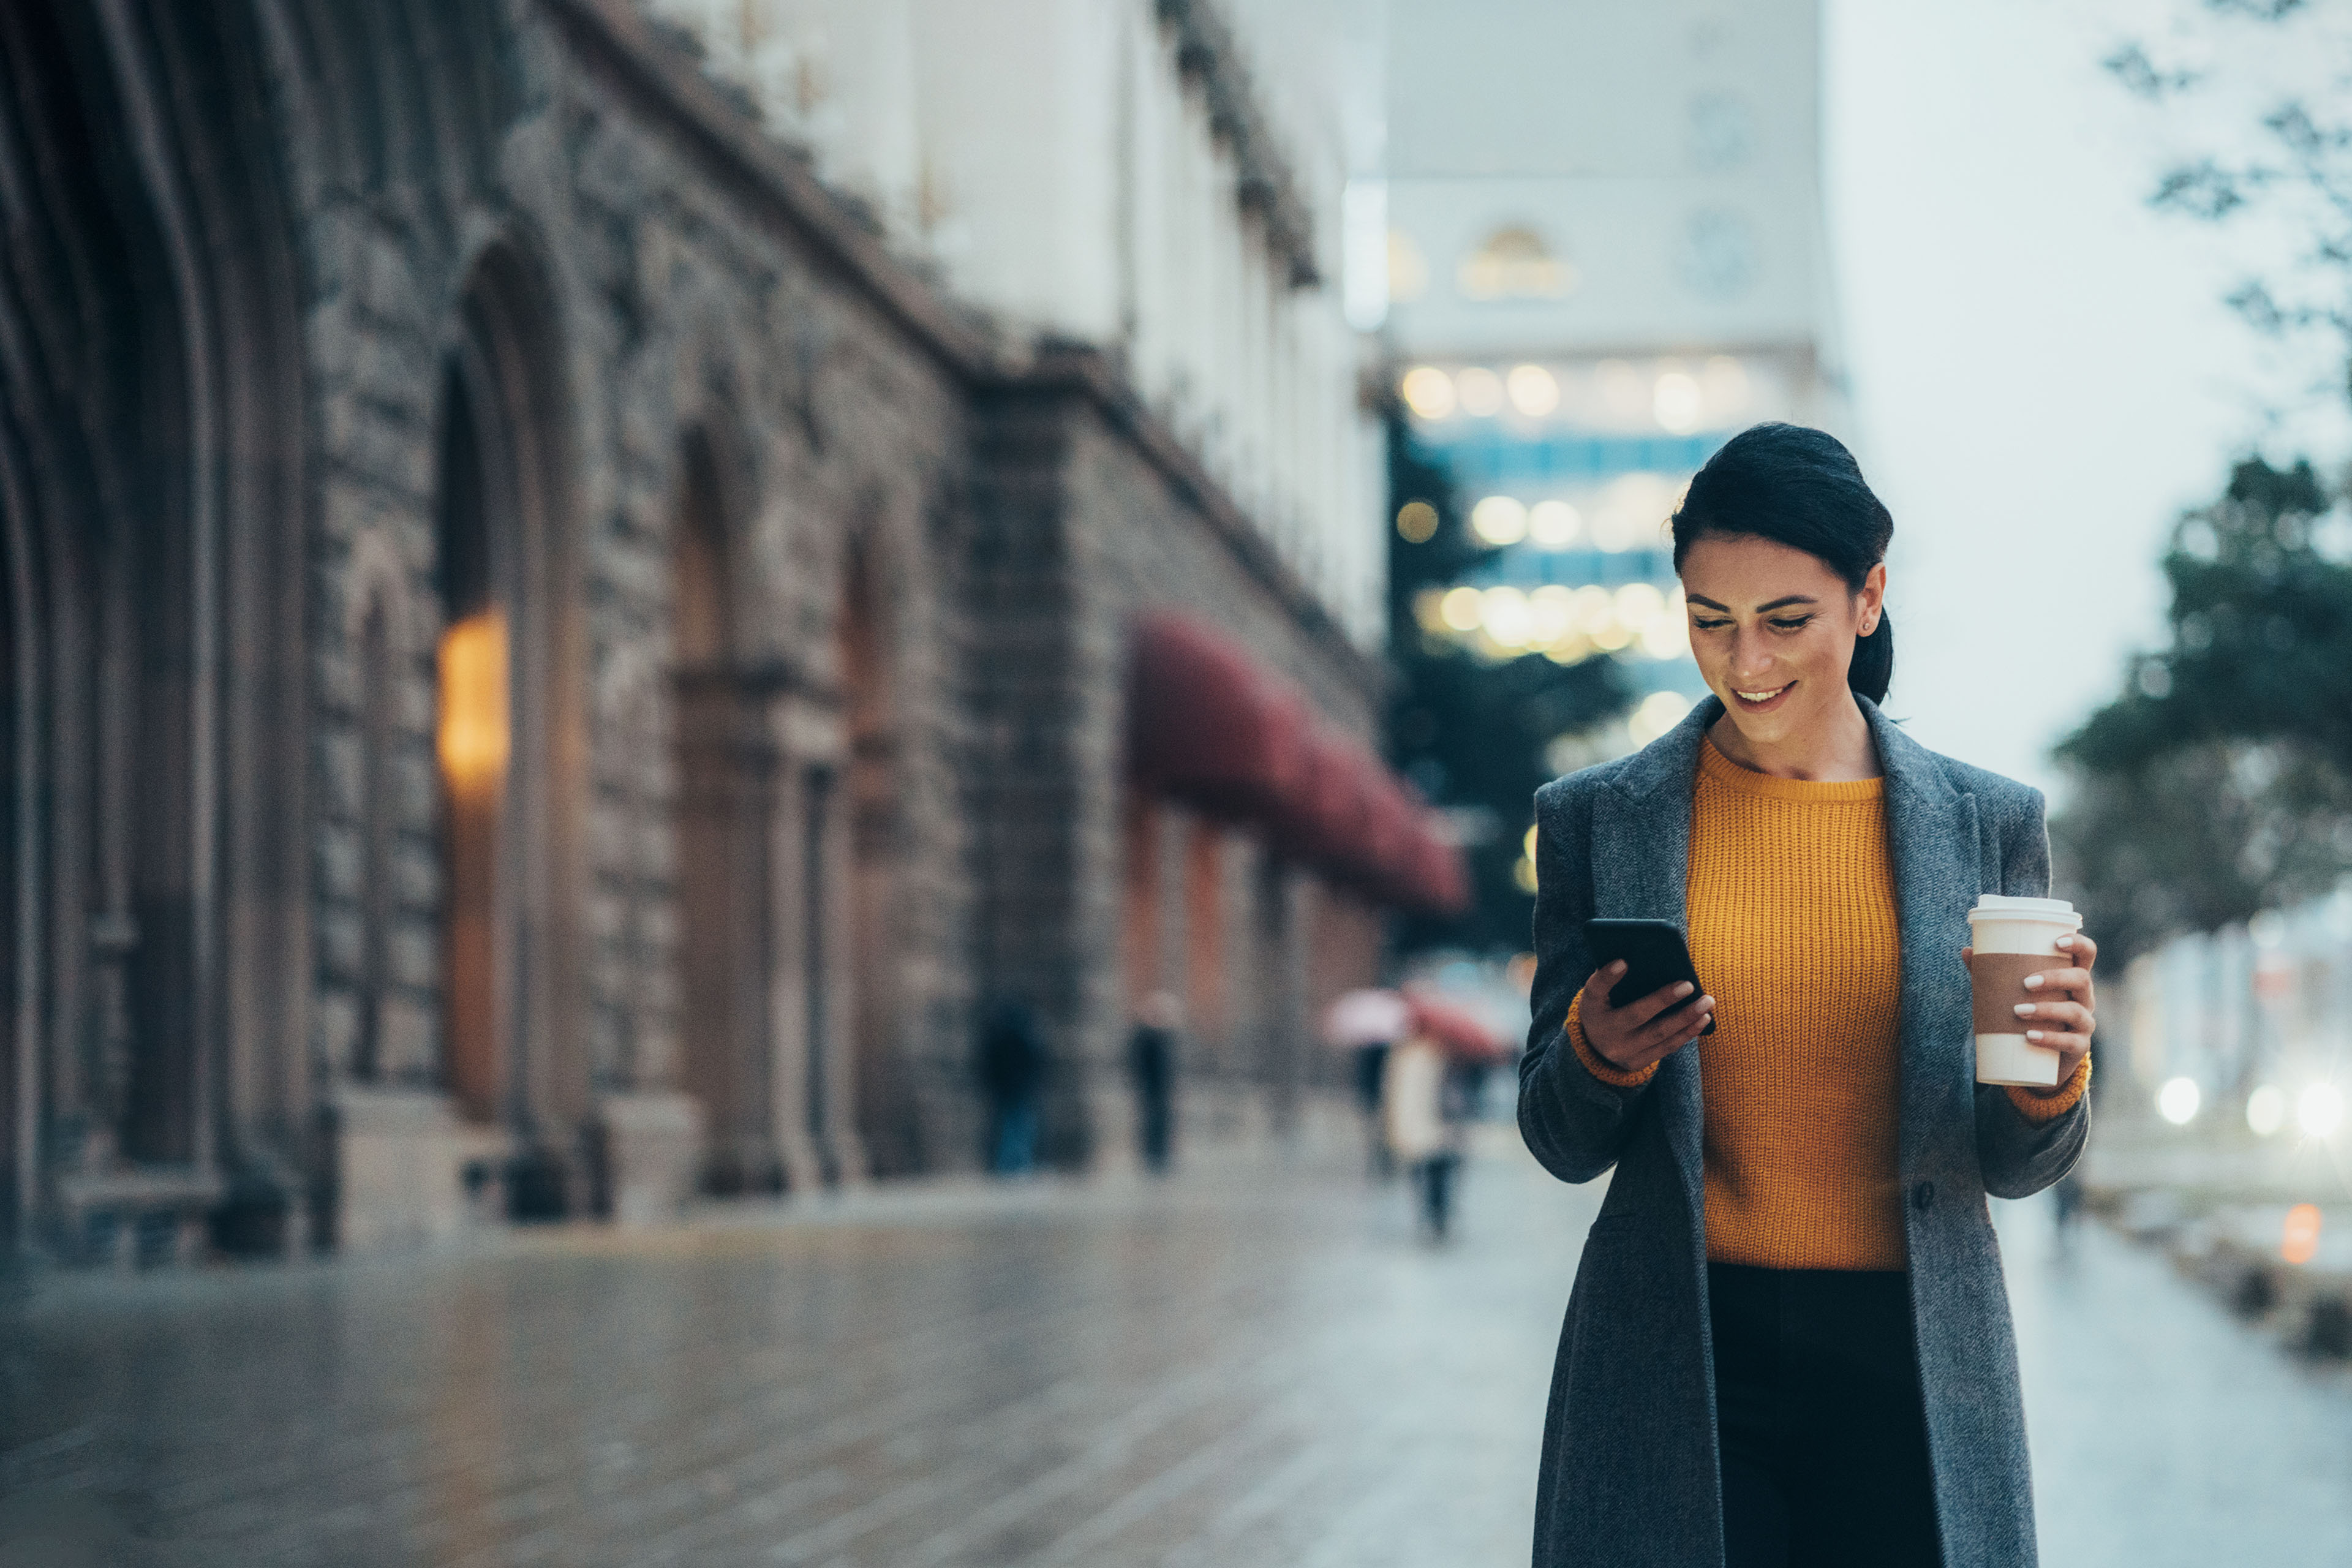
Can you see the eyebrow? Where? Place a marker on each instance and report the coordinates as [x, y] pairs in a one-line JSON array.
[[1779, 603]]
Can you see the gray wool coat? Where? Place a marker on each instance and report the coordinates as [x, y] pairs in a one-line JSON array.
[[1629, 1472]]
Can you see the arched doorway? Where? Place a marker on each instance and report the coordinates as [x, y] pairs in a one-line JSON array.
[[725, 937], [152, 729], [513, 739], [883, 1111], [473, 744]]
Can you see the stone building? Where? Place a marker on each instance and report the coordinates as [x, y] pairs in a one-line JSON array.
[[552, 660]]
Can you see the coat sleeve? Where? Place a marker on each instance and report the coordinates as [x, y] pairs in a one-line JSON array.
[[2020, 1156], [1574, 1123]]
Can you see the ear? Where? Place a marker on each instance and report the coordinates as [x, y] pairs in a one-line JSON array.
[[1872, 600]]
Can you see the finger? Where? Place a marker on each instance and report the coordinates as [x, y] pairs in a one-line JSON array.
[[1594, 997], [2071, 1047], [1678, 1026], [2074, 980], [1651, 1007], [1967, 953], [2071, 1016], [2081, 948]]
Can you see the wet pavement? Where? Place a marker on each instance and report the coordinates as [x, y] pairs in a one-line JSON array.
[[1264, 1367]]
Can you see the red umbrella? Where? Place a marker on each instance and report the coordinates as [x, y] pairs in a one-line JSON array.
[[1457, 1028]]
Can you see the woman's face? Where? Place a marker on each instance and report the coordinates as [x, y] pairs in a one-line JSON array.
[[1773, 629]]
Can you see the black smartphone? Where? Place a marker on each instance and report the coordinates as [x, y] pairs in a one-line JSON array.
[[1655, 956]]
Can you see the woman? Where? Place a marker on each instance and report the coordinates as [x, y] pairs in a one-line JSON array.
[[1789, 1340]]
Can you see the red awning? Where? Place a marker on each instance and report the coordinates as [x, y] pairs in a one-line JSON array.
[[1207, 727]]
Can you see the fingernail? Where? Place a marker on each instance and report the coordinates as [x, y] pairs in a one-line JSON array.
[[2032, 981], [1685, 989], [2032, 1033], [2025, 1009], [1706, 1001], [2065, 941]]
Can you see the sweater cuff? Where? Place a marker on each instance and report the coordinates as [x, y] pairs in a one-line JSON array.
[[1615, 1077], [2042, 1105]]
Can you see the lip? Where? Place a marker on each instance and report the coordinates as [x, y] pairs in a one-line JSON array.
[[1769, 703]]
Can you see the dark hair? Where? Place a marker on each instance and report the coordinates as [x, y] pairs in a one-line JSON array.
[[1799, 488]]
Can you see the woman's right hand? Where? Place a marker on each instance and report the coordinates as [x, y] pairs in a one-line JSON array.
[[1650, 1029]]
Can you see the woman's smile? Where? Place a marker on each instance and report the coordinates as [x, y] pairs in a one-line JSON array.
[[1763, 699]]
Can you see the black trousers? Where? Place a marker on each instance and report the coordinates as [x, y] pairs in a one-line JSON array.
[[1824, 1437]]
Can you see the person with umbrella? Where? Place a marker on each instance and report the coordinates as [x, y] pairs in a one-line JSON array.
[[1422, 1090], [1365, 1024]]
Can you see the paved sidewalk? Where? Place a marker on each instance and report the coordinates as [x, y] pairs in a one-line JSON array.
[[1262, 1368], [2165, 1434], [1268, 1369]]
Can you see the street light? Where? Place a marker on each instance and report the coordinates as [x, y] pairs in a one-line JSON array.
[[2177, 1101], [2320, 1110]]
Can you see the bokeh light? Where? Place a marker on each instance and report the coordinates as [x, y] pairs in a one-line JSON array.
[[1535, 392], [2299, 1236], [2266, 1109], [2319, 1110], [1416, 522], [1656, 714], [1499, 520], [1481, 392], [1459, 609], [1428, 392], [1678, 402], [2178, 1100], [1553, 524]]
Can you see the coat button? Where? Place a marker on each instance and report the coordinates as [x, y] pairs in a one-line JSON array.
[[1923, 1196]]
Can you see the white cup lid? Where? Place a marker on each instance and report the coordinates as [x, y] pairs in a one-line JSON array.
[[1994, 907]]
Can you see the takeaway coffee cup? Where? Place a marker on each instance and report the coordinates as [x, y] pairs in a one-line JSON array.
[[2014, 938]]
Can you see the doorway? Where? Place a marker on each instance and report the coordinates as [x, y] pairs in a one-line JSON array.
[[724, 936]]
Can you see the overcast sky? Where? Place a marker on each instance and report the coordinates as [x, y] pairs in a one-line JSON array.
[[2043, 374]]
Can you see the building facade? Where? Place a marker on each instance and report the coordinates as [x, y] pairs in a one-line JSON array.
[[1601, 252], [553, 661]]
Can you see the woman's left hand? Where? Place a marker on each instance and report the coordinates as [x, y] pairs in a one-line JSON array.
[[2062, 1011]]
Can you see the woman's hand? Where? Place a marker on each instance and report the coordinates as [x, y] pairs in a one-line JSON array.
[[1631, 1037], [2060, 1010]]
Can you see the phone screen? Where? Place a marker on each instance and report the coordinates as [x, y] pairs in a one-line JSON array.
[[1655, 953]]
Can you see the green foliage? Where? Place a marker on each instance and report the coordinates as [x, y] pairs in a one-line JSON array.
[[1470, 733], [2298, 167], [2221, 781]]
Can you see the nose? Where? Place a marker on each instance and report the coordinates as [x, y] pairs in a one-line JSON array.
[[1750, 659]]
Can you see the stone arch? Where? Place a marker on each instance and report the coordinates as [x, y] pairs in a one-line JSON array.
[[512, 725], [149, 348]]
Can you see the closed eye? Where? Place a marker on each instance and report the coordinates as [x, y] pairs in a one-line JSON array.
[[1797, 624], [1707, 624]]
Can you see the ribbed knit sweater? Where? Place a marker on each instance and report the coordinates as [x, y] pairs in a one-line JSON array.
[[1795, 934]]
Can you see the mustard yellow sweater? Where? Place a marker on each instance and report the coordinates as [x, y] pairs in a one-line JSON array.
[[1793, 930]]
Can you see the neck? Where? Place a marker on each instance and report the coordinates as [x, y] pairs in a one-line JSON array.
[[1836, 750]]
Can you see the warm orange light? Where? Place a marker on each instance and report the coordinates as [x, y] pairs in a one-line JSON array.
[[473, 740], [2301, 1242]]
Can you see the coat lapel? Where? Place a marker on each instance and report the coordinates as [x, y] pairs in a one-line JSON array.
[[1931, 831], [1640, 870]]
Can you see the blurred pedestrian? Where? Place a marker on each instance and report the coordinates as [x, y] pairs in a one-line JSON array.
[[1151, 1061], [1802, 1198], [1422, 1132], [1372, 1064], [1011, 1071]]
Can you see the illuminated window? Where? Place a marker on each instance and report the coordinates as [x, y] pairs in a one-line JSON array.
[[473, 738]]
